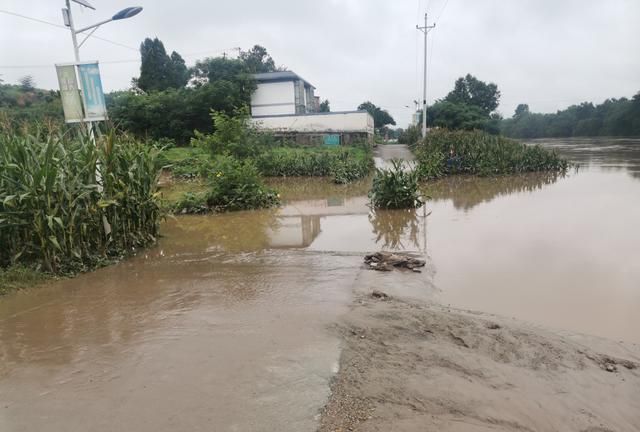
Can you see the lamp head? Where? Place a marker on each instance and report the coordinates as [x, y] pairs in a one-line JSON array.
[[127, 13]]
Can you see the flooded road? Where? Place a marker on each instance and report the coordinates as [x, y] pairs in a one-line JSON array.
[[223, 325]]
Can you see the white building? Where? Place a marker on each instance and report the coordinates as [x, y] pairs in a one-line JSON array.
[[285, 104]]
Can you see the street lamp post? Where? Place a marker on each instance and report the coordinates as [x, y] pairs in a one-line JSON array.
[[68, 21]]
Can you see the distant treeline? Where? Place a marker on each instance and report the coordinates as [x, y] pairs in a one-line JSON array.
[[24, 102], [613, 117]]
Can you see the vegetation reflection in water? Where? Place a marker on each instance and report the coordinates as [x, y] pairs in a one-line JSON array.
[[467, 192], [307, 203]]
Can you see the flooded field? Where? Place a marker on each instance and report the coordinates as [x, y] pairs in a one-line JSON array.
[[222, 326]]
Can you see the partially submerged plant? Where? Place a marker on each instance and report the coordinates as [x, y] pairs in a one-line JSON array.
[[233, 185], [446, 152], [395, 188]]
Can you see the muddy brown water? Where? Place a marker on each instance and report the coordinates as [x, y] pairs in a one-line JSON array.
[[222, 326]]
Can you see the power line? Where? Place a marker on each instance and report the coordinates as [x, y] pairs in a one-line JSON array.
[[65, 28], [33, 66], [442, 10]]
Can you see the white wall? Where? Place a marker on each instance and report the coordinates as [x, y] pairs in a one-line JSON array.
[[273, 98], [330, 122]]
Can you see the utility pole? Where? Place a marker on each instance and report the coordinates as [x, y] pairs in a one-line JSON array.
[[425, 30]]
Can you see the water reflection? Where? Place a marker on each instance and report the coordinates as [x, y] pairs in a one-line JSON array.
[[467, 192], [398, 229]]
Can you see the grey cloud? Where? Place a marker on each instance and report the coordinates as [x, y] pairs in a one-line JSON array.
[[546, 53]]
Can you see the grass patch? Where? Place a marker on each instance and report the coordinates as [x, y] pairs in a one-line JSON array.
[[185, 162], [446, 152], [395, 188], [19, 277]]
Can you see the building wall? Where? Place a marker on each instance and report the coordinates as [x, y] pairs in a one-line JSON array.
[[273, 98], [318, 123]]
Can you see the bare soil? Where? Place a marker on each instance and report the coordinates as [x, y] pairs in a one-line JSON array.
[[413, 366]]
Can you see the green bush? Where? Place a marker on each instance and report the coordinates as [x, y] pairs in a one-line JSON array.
[[234, 135], [56, 213], [233, 185], [446, 152], [395, 188], [345, 164]]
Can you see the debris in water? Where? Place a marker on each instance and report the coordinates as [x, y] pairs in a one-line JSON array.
[[386, 261], [379, 295]]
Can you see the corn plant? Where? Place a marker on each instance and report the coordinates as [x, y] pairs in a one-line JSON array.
[[67, 204], [446, 152], [344, 165], [395, 188]]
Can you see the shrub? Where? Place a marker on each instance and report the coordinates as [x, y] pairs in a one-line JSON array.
[[234, 185], [57, 213], [233, 135], [446, 152], [395, 188]]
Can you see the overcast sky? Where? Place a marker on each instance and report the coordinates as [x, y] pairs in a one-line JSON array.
[[547, 53]]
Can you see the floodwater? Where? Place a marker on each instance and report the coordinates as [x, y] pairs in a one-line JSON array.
[[223, 325]]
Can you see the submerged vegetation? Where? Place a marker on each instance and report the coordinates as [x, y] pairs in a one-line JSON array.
[[233, 185], [395, 188], [67, 205], [446, 152]]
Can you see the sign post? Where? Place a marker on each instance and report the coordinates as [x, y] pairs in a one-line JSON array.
[[90, 88], [92, 94], [69, 93]]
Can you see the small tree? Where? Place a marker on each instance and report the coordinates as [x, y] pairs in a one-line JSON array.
[[471, 91], [380, 117], [257, 60], [27, 83], [324, 106]]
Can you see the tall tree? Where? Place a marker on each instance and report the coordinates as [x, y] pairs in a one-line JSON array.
[[258, 60], [471, 91], [380, 117], [158, 70], [180, 72]]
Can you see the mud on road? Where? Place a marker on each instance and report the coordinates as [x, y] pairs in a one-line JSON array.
[[410, 366]]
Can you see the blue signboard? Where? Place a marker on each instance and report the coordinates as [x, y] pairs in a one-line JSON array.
[[92, 93]]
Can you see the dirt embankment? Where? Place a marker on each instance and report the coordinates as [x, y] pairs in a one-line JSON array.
[[409, 366]]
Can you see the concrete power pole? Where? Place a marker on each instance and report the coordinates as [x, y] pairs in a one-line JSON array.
[[425, 30]]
